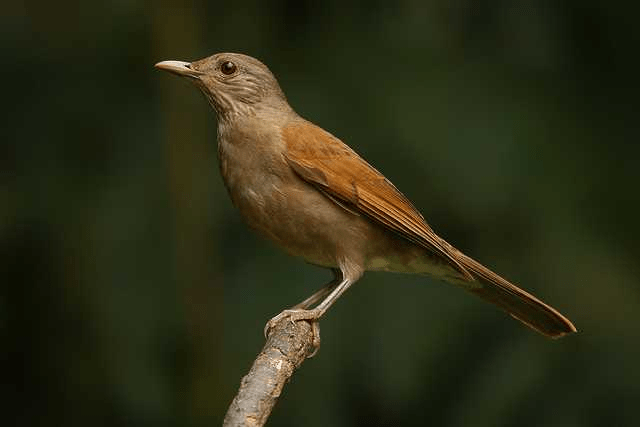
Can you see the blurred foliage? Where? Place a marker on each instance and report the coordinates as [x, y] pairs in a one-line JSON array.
[[133, 295]]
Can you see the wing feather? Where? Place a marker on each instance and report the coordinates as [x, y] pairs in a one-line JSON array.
[[346, 178]]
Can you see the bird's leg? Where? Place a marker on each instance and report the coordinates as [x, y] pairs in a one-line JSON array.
[[304, 305], [335, 288], [317, 296], [309, 302], [295, 314]]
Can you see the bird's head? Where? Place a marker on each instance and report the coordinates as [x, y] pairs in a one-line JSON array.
[[233, 83]]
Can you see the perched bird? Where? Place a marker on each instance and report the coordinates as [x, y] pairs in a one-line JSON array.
[[315, 197]]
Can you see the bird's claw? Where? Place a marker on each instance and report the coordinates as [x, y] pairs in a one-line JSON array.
[[295, 315]]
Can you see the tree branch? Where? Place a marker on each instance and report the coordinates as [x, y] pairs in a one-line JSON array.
[[288, 345]]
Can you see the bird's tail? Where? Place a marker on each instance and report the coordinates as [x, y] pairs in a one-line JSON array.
[[516, 302]]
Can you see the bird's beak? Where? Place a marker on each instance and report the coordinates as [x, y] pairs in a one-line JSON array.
[[180, 68]]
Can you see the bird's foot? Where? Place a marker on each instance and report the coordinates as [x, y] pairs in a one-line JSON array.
[[295, 315]]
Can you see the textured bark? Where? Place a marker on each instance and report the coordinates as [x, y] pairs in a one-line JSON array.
[[288, 345]]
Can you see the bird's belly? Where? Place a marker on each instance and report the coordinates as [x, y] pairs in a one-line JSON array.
[[419, 263], [297, 218], [306, 223], [390, 252]]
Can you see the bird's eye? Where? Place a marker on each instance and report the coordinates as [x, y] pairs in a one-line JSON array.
[[228, 68]]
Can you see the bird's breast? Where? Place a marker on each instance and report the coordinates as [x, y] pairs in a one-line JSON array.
[[252, 177], [279, 205]]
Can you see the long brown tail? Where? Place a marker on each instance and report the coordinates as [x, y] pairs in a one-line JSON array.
[[518, 303]]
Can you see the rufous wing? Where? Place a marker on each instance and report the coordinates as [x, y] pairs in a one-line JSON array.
[[327, 163]]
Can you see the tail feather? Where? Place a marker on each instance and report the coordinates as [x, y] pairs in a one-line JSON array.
[[516, 302]]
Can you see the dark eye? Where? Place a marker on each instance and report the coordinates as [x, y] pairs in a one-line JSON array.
[[228, 68]]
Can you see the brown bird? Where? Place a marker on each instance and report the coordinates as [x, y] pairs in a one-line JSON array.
[[314, 196]]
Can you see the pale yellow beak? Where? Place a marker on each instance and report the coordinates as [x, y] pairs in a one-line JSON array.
[[180, 68]]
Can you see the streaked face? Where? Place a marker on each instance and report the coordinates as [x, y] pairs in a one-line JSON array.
[[231, 82]]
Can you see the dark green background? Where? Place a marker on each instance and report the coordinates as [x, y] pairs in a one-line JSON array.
[[133, 295]]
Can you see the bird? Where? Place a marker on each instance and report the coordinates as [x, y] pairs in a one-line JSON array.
[[315, 197]]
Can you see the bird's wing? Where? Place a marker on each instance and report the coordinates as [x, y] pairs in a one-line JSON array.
[[347, 179]]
